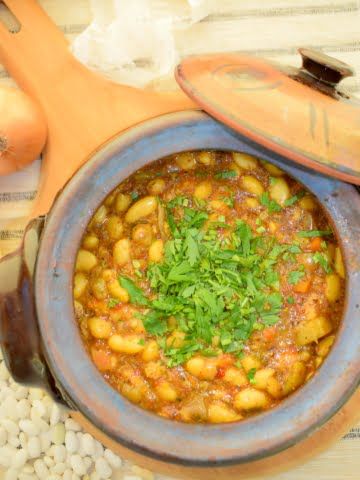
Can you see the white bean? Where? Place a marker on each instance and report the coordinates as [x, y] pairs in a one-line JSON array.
[[71, 442], [29, 427], [58, 434], [10, 426], [102, 468], [41, 469], [20, 458], [114, 460], [34, 447], [3, 436], [77, 465]]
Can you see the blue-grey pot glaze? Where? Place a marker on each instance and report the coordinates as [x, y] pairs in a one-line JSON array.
[[83, 386]]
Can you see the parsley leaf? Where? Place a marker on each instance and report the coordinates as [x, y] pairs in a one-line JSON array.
[[112, 302], [226, 174], [290, 300], [321, 259], [314, 233], [136, 294], [271, 205], [295, 276], [251, 376], [290, 201]]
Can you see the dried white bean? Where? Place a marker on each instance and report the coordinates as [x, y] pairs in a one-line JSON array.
[[48, 461], [28, 469], [59, 453], [67, 475], [87, 444], [10, 426], [58, 433], [11, 474], [26, 476], [14, 441], [23, 408], [45, 440], [114, 460], [20, 458], [3, 436], [29, 427], [99, 450], [39, 407], [54, 415], [77, 465], [20, 392], [71, 442], [35, 394], [34, 447], [10, 406], [41, 469], [70, 424], [54, 477], [23, 439], [59, 468], [102, 468]]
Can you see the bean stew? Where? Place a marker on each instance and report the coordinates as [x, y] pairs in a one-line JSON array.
[[208, 287]]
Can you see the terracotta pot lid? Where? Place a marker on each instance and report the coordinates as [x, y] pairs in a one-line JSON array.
[[298, 113]]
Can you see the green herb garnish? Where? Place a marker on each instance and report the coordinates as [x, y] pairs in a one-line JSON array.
[[271, 205], [251, 376], [226, 174], [290, 300], [314, 233], [136, 295], [113, 302], [290, 201], [295, 276], [322, 260], [134, 195]]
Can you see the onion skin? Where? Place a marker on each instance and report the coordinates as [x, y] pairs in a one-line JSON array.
[[23, 130]]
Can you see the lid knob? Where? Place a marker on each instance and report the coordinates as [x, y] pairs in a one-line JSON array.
[[324, 68]]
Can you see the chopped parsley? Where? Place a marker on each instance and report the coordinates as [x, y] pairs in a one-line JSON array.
[[113, 302], [314, 233], [134, 195], [271, 205], [322, 260], [251, 376], [136, 295], [290, 201], [226, 174], [290, 300], [295, 276]]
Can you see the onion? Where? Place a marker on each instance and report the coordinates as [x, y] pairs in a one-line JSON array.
[[22, 130]]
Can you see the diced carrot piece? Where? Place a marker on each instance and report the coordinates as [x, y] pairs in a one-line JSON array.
[[101, 359], [302, 286], [315, 244], [269, 333]]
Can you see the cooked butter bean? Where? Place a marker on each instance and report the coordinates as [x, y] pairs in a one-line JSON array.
[[98, 288], [338, 263], [249, 362], [90, 242], [80, 284], [122, 202], [203, 190], [142, 233], [99, 328], [221, 413], [324, 345], [252, 185], [273, 169], [202, 368], [245, 161], [332, 287], [250, 399], [313, 329], [274, 388], [99, 216], [307, 203], [151, 351], [279, 191], [295, 378], [129, 344], [166, 392], [235, 376], [141, 209], [85, 261], [186, 160], [206, 158], [114, 227], [156, 251], [234, 167], [176, 339], [133, 393], [157, 186], [262, 376], [121, 251], [118, 292], [251, 202]]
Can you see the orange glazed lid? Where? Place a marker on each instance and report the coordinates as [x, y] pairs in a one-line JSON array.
[[298, 113]]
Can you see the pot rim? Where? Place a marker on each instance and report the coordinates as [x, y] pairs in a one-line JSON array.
[[142, 431]]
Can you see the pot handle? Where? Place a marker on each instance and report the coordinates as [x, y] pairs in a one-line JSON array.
[[19, 331]]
